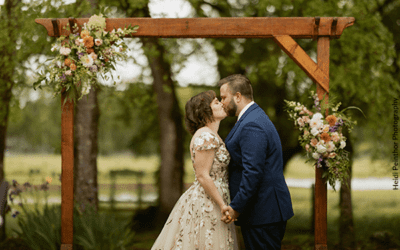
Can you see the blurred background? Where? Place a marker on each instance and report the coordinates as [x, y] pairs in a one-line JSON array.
[[124, 155]]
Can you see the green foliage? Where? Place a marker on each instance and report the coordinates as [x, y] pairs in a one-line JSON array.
[[129, 120], [34, 126], [41, 228], [362, 61], [101, 231]]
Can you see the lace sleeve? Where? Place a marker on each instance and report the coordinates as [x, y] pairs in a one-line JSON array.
[[206, 141]]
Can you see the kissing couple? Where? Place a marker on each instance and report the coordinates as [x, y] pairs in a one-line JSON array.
[[240, 180]]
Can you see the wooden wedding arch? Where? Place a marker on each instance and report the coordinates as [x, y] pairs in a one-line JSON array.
[[282, 30]]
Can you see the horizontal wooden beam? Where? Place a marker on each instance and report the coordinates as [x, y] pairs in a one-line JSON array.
[[300, 57], [224, 27]]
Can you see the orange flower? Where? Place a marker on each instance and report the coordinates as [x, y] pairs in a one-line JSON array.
[[67, 62], [326, 137], [48, 179], [88, 41], [89, 50], [72, 66], [331, 119], [85, 33]]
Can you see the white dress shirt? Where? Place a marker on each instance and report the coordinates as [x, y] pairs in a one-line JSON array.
[[244, 109]]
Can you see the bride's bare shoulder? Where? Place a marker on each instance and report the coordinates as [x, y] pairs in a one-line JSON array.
[[201, 130]]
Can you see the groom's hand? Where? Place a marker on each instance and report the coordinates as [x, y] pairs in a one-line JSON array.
[[228, 214], [225, 215], [233, 213]]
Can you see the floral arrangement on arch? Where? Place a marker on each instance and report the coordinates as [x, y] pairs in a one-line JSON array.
[[81, 57], [321, 136]]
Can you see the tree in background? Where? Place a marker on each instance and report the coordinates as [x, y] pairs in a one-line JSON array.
[[20, 45], [86, 122], [170, 177]]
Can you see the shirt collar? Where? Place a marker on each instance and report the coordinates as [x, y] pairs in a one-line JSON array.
[[244, 109]]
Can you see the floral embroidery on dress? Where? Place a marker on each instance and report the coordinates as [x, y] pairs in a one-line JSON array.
[[195, 223]]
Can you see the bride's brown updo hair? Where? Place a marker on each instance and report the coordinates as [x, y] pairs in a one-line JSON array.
[[198, 111]]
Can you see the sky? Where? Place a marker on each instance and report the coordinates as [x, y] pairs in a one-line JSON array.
[[197, 70]]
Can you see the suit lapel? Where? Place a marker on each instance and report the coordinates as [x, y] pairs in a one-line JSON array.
[[248, 111]]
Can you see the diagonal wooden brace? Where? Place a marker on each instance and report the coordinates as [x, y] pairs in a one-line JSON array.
[[300, 57]]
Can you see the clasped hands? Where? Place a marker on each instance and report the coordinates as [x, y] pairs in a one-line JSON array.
[[228, 214]]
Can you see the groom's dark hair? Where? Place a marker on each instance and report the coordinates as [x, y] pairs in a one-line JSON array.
[[238, 83], [198, 111]]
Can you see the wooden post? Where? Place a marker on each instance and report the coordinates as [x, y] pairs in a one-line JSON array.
[[67, 173], [320, 240]]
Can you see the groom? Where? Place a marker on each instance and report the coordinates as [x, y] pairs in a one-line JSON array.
[[261, 200]]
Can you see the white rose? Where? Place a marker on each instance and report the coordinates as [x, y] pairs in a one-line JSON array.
[[317, 116], [314, 131], [87, 61], [321, 149], [300, 121], [316, 123], [98, 42], [330, 146], [315, 155], [65, 51], [68, 72], [342, 144]]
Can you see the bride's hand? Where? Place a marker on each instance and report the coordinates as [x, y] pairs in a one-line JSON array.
[[225, 214]]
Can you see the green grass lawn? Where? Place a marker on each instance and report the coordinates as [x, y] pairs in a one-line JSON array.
[[18, 166], [374, 211]]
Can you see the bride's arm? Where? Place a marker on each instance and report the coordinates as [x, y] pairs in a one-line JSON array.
[[202, 166]]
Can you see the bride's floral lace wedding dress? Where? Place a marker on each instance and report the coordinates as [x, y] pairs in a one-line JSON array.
[[195, 222]]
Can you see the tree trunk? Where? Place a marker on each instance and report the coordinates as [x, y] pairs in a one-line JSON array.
[[346, 223], [170, 120], [86, 146], [8, 18]]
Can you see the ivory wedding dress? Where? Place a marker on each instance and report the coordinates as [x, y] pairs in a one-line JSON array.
[[195, 221]]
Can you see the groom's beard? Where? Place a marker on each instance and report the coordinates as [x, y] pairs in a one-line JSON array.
[[231, 108]]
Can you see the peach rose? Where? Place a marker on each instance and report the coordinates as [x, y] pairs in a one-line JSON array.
[[314, 142], [332, 155], [85, 33], [331, 119], [93, 56], [325, 128], [335, 137], [72, 66]]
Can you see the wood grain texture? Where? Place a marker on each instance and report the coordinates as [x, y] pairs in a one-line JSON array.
[[67, 171], [300, 57], [321, 199], [223, 27]]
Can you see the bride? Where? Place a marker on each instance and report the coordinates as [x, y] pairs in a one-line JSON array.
[[195, 221]]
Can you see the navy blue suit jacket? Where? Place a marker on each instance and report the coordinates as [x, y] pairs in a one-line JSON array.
[[256, 182]]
